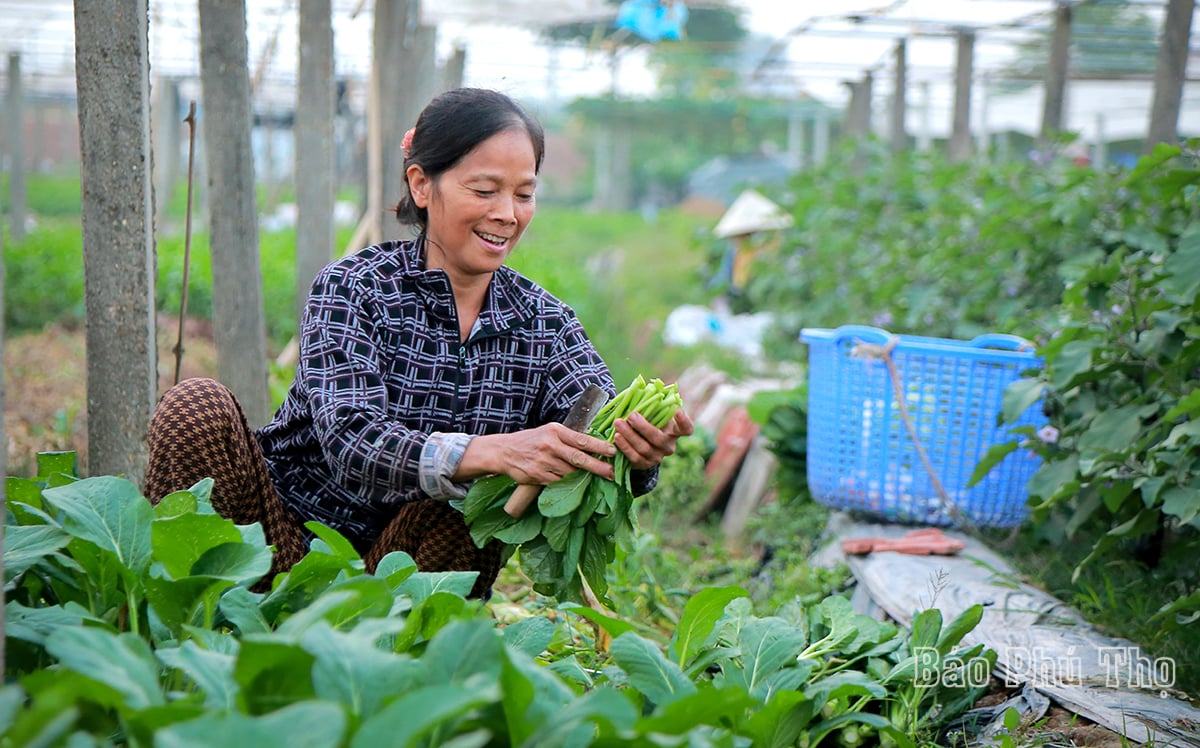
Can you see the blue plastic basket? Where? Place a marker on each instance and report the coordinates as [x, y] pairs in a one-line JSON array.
[[861, 455]]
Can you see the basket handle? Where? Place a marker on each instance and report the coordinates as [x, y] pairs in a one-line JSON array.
[[861, 333], [1002, 341]]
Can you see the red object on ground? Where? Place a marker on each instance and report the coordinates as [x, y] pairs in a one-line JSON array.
[[928, 541], [733, 441]]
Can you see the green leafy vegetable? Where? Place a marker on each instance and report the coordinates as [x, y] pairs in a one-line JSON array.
[[581, 518]]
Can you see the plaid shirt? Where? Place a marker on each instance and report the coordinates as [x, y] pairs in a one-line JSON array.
[[386, 397]]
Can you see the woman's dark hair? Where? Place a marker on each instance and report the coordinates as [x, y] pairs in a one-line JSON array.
[[451, 126]]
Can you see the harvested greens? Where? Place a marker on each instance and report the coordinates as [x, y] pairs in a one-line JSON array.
[[580, 518]]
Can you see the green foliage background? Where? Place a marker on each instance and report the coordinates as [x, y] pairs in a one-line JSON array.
[[1099, 268], [621, 275]]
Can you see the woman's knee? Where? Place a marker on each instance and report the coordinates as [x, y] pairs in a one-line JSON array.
[[196, 390]]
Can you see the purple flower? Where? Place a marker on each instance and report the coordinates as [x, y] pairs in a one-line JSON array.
[[1048, 434]]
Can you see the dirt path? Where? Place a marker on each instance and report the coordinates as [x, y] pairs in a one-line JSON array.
[[45, 387]]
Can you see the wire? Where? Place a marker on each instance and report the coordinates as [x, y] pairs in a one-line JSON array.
[[44, 31]]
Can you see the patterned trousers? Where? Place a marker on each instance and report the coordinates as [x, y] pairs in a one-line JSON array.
[[199, 431]]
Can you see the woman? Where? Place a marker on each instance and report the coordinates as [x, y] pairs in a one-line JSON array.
[[424, 365]]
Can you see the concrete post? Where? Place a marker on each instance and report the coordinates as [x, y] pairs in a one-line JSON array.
[[552, 73], [868, 105], [859, 126], [858, 111], [314, 146], [168, 128], [268, 176], [614, 175], [1100, 158], [452, 72], [621, 164], [1004, 146], [960, 131], [37, 150], [200, 204], [925, 138], [238, 320], [899, 135], [853, 106], [68, 134], [3, 452], [1169, 75], [864, 110], [372, 220], [401, 94], [15, 108], [113, 89], [795, 140], [1056, 76], [984, 136], [601, 173], [821, 136], [423, 61]]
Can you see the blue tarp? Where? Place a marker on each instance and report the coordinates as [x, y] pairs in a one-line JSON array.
[[653, 20]]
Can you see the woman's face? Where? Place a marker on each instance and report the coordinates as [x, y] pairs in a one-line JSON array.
[[478, 209]]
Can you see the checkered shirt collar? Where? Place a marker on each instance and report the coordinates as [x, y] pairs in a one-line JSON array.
[[508, 305]]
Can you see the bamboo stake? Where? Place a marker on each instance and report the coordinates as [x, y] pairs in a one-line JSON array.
[[190, 119]]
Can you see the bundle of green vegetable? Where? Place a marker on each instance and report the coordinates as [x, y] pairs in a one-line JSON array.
[[573, 534]]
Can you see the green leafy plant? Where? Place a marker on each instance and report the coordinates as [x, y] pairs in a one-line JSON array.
[[784, 420], [46, 194], [920, 245], [581, 256], [132, 624], [567, 542], [1120, 379]]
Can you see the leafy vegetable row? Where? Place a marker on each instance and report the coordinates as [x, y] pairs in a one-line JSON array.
[[136, 625]]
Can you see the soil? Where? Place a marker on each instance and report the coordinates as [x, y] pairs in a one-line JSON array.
[[1080, 730], [1058, 727], [45, 387]]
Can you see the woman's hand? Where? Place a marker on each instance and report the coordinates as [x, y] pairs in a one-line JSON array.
[[539, 456], [646, 446]]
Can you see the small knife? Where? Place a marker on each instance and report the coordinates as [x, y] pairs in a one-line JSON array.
[[579, 417]]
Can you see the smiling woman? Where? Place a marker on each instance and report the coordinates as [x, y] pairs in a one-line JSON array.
[[481, 208], [424, 365]]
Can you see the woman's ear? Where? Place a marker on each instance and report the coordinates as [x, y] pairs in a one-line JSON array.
[[419, 185]]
